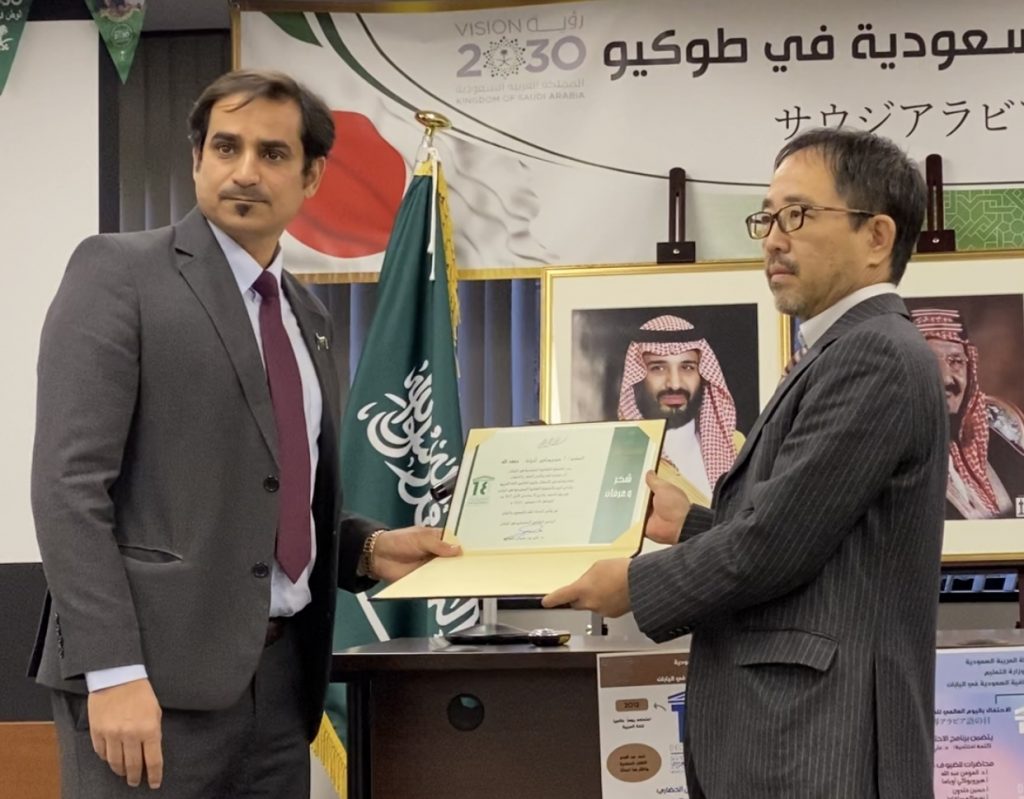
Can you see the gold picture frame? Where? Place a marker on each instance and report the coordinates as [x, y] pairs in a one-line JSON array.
[[642, 288], [964, 281], [988, 289], [589, 316]]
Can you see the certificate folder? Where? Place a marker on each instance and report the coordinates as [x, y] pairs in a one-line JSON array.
[[534, 507]]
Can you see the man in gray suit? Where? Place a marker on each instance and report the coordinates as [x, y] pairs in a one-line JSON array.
[[185, 479], [810, 586]]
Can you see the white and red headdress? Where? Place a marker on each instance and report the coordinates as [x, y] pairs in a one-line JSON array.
[[672, 335], [969, 451]]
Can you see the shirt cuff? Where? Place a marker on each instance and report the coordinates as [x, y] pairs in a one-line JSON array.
[[119, 675]]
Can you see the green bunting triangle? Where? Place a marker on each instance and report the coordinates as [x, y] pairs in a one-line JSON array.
[[13, 15], [120, 24]]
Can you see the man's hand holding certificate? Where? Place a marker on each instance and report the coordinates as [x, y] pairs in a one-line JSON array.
[[668, 511], [535, 507], [604, 588]]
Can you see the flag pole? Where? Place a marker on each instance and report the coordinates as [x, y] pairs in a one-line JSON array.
[[428, 156], [433, 121], [489, 631]]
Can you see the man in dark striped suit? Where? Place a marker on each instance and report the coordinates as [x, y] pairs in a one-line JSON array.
[[810, 586]]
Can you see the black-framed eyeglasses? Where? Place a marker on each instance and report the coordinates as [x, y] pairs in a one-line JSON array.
[[790, 218]]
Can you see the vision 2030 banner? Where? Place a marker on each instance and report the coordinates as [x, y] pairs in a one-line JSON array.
[[568, 117]]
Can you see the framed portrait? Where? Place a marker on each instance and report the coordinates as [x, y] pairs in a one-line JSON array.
[[700, 345], [970, 309]]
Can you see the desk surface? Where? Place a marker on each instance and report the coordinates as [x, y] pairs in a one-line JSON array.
[[965, 639], [422, 654], [426, 654]]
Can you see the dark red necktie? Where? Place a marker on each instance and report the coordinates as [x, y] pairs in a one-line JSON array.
[[293, 548]]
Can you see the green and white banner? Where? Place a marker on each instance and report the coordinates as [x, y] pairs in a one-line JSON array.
[[568, 117], [13, 16]]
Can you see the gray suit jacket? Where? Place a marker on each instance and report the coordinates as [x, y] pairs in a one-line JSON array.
[[811, 588], [155, 439]]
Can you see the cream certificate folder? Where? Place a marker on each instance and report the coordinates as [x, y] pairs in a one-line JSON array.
[[534, 507]]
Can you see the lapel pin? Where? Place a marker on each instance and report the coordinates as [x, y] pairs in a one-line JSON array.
[[321, 342]]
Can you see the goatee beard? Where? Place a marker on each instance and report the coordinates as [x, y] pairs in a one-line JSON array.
[[675, 418]]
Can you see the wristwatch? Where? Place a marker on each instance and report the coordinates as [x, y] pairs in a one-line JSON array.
[[366, 557]]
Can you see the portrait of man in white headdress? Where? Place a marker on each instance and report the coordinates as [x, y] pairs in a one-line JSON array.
[[661, 364], [671, 373]]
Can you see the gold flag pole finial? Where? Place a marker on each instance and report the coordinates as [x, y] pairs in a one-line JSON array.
[[432, 121]]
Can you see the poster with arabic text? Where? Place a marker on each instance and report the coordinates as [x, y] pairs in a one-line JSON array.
[[642, 716], [979, 723]]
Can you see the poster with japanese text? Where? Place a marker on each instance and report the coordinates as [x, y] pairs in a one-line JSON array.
[[568, 117], [979, 723], [642, 717]]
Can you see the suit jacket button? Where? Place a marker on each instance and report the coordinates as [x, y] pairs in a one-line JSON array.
[[271, 484], [261, 569]]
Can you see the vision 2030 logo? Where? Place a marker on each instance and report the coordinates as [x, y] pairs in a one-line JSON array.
[[532, 44], [505, 57]]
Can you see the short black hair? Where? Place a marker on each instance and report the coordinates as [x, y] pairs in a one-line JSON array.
[[317, 123], [873, 174]]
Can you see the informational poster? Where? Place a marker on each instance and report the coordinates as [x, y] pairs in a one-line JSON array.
[[979, 723], [642, 713]]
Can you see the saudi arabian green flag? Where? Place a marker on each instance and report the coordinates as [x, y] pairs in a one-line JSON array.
[[13, 16], [120, 24], [402, 434]]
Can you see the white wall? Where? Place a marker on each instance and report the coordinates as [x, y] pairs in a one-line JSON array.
[[48, 203]]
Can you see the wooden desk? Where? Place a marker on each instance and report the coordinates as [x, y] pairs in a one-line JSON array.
[[538, 736]]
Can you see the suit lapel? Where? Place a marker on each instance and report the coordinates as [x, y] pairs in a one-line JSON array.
[[874, 306], [203, 266]]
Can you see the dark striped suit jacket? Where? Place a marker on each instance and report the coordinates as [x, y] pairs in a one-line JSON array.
[[811, 586]]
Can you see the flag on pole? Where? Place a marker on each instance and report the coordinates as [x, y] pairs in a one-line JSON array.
[[402, 433]]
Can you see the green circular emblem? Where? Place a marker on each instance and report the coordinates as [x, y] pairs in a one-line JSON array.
[[121, 35]]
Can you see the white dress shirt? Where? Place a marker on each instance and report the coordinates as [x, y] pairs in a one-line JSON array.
[[815, 327], [682, 447]]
